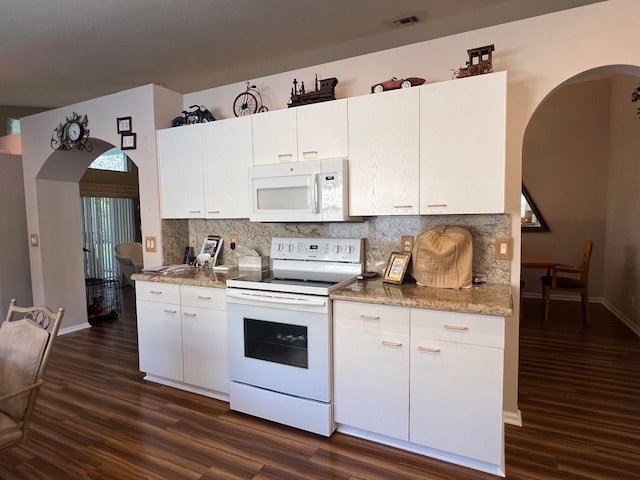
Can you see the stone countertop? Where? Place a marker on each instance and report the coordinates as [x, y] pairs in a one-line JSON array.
[[199, 277], [485, 299]]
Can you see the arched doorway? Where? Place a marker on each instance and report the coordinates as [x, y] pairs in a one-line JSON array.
[[60, 228]]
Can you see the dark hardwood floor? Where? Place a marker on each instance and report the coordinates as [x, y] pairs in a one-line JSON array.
[[97, 419]]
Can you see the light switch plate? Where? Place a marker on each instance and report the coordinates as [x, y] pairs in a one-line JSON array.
[[150, 244], [406, 244], [504, 248]]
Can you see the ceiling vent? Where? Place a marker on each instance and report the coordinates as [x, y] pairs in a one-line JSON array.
[[406, 21]]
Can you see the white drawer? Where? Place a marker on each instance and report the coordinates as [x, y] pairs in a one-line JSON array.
[[371, 317], [467, 328], [158, 292], [203, 297]]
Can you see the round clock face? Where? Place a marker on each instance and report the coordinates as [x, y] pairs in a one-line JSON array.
[[75, 131]]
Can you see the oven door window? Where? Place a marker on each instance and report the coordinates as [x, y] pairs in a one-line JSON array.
[[276, 342]]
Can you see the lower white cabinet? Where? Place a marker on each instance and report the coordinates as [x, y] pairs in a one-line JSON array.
[[182, 336], [431, 380], [371, 367]]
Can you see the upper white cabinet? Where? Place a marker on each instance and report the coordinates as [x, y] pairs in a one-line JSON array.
[[322, 130], [180, 161], [462, 145], [384, 153], [204, 169], [227, 155], [310, 132], [274, 137]]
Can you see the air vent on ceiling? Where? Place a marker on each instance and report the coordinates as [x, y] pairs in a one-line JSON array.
[[405, 21]]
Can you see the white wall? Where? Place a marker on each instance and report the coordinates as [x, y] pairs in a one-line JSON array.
[[539, 53], [622, 260]]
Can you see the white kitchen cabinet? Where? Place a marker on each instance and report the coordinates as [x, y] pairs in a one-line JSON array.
[[322, 130], [227, 154], [371, 367], [462, 145], [384, 153], [182, 336], [181, 176], [159, 329], [204, 337], [456, 383], [274, 137]]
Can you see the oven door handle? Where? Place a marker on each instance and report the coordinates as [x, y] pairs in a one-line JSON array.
[[318, 302]]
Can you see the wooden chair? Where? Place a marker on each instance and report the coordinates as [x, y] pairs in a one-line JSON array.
[[25, 346], [578, 281]]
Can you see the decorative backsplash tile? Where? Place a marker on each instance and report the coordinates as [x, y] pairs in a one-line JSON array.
[[382, 236]]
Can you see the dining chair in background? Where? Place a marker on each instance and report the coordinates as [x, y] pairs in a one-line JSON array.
[[568, 278]]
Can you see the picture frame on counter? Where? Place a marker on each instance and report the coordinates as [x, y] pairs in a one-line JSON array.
[[128, 141], [212, 245], [124, 124], [396, 268]]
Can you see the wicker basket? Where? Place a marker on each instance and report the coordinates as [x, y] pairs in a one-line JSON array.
[[443, 257]]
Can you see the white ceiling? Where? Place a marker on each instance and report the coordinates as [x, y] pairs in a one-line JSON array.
[[58, 52]]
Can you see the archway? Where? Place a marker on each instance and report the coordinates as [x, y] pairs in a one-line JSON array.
[[60, 228]]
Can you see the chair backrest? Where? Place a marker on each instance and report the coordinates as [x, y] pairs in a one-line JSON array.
[[587, 249], [26, 338], [132, 250]]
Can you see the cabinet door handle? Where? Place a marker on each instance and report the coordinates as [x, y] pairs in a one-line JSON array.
[[195, 211], [170, 311], [213, 211], [285, 157], [155, 292], [434, 205], [310, 154], [369, 317], [189, 314], [428, 349], [391, 344], [403, 206], [204, 297], [455, 327]]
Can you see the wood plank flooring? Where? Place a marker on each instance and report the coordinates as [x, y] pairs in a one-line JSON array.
[[97, 419]]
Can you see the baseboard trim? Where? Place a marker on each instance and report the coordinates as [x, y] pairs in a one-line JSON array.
[[74, 328], [512, 418]]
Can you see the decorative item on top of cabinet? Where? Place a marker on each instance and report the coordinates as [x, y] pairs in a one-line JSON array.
[[479, 62], [325, 89], [635, 96], [396, 83], [249, 102], [198, 114]]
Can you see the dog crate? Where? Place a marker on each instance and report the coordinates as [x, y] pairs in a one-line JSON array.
[[103, 299]]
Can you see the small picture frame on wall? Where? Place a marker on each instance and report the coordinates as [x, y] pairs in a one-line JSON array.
[[124, 124], [396, 268], [128, 141]]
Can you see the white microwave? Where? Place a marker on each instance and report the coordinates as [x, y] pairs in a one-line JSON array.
[[310, 191]]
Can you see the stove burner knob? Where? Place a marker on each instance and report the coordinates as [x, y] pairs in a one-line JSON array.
[[350, 249], [290, 247], [279, 246], [337, 249]]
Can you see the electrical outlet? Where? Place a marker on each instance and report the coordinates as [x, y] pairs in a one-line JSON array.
[[233, 240], [406, 244], [150, 244], [504, 248]]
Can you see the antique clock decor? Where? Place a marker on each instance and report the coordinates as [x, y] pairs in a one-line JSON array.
[[73, 133]]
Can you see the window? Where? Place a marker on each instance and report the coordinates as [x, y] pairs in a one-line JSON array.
[[114, 159], [530, 217]]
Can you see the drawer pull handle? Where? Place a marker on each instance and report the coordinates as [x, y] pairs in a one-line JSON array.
[[369, 317], [189, 314], [455, 327], [195, 211], [428, 349], [203, 297], [403, 206], [155, 292], [170, 311], [213, 211], [391, 344], [437, 205]]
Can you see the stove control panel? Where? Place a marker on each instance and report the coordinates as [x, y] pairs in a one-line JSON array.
[[319, 249]]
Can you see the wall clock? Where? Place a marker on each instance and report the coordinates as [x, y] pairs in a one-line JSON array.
[[72, 133]]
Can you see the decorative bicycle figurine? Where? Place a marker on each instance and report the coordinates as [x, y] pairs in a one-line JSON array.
[[249, 102]]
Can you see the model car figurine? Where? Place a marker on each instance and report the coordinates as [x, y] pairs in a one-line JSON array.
[[396, 83]]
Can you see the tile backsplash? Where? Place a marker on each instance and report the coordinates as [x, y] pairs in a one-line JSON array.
[[382, 236]]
